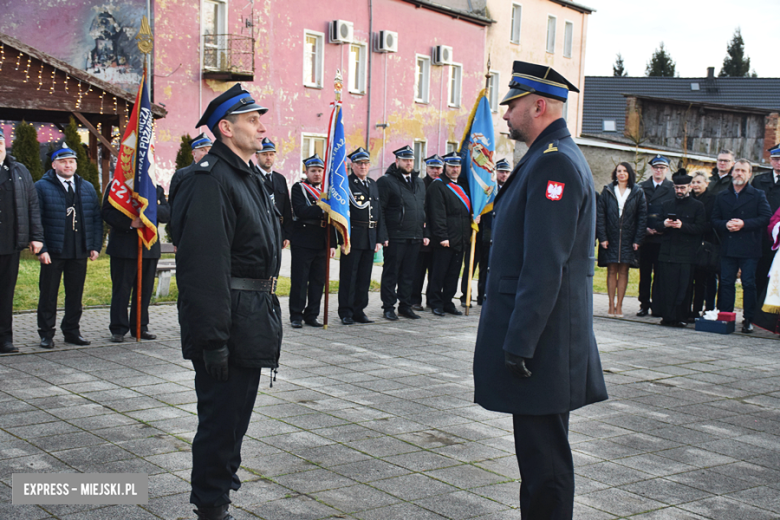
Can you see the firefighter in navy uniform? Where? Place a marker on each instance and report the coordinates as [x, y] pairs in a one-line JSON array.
[[276, 185], [201, 145], [536, 355], [433, 168], [367, 233], [229, 255], [309, 239]]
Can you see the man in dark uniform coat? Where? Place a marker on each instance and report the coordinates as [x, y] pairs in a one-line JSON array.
[[448, 217], [433, 168], [367, 234], [308, 246], [73, 232], [402, 195], [658, 189], [276, 185], [123, 250], [20, 227], [201, 145], [536, 355], [229, 255], [682, 221], [769, 183]]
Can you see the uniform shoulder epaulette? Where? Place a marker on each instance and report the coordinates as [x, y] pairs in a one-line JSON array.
[[206, 164], [551, 147]]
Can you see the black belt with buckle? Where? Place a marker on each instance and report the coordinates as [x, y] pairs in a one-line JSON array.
[[318, 223], [252, 284], [371, 224]]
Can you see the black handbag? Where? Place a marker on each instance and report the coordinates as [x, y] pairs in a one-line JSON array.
[[708, 255]]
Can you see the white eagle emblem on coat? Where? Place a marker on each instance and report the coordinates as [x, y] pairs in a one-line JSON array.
[[554, 190]]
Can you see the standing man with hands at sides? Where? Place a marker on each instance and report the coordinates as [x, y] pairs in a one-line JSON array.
[[536, 355], [276, 185], [73, 232], [229, 255], [201, 145], [433, 168], [402, 195], [20, 227]]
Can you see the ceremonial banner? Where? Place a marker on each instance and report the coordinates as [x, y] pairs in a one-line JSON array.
[[335, 186], [131, 186], [476, 149]]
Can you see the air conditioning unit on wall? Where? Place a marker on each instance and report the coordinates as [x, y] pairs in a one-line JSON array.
[[442, 55], [388, 41], [341, 31]]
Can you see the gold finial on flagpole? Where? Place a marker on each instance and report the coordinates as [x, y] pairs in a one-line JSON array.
[[488, 75], [338, 84], [145, 39]]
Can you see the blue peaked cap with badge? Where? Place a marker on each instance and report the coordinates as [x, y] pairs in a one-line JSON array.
[[268, 146], [774, 151], [361, 154], [434, 160], [452, 158], [404, 153], [530, 78], [63, 153], [503, 165], [201, 141], [314, 161], [659, 159], [235, 100]]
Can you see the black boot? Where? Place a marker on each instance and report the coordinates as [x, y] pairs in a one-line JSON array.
[[213, 513]]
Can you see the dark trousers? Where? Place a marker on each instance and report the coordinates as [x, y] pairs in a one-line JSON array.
[[729, 266], [422, 268], [307, 277], [445, 273], [73, 271], [398, 273], [705, 284], [546, 466], [124, 283], [481, 258], [224, 410], [648, 265], [354, 282], [764, 264], [672, 295], [9, 271]]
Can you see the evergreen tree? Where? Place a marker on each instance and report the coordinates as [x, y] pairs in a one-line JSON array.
[[27, 150], [661, 64], [618, 69], [184, 155], [85, 168], [736, 64]]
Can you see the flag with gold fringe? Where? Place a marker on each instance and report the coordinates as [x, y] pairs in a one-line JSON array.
[[476, 150], [335, 186]]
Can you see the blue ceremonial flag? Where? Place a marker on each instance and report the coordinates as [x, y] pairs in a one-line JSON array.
[[335, 185], [476, 150]]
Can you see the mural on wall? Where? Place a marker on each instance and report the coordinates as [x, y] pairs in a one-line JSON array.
[[97, 36]]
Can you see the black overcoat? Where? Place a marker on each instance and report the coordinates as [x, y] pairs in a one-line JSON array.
[[277, 188], [122, 239], [447, 216], [751, 207], [624, 230], [539, 302], [655, 198], [766, 183], [362, 235], [28, 225], [679, 246]]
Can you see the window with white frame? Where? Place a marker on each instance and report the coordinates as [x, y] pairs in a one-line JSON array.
[[453, 90], [568, 39], [214, 29], [493, 85], [452, 146], [551, 23], [357, 68], [311, 144], [312, 58], [609, 125], [517, 15], [422, 79], [420, 153]]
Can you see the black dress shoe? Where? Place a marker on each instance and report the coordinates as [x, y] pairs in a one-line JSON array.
[[312, 322], [747, 327], [146, 335], [76, 340], [362, 319], [408, 313], [8, 348], [390, 315], [437, 312], [117, 338], [346, 320], [417, 307], [296, 324], [642, 312], [452, 310], [47, 342]]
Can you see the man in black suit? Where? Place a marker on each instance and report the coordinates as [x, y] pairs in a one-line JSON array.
[[276, 185], [433, 168], [769, 183], [658, 189], [123, 250], [308, 246], [367, 233]]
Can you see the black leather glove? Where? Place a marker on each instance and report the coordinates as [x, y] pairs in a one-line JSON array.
[[516, 364], [217, 363]]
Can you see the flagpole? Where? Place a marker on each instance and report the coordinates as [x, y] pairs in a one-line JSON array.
[[145, 45], [473, 229], [337, 81]]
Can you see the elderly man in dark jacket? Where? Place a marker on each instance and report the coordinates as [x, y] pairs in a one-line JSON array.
[[20, 227], [536, 355], [740, 217], [402, 196], [73, 232]]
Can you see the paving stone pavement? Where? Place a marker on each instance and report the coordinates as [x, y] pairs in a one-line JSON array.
[[376, 422]]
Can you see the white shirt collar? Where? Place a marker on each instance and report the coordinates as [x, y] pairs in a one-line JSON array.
[[65, 182], [656, 184], [263, 171]]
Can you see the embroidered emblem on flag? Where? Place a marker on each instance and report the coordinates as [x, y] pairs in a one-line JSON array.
[[554, 190]]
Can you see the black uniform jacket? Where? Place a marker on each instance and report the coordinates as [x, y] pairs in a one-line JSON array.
[[539, 293], [173, 189], [362, 235], [655, 198], [766, 183], [621, 231], [277, 188], [308, 220], [403, 205], [752, 208], [708, 199], [447, 217], [226, 226], [679, 246], [122, 239], [718, 183]]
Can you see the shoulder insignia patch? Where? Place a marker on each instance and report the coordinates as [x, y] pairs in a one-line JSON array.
[[204, 164], [551, 148], [554, 190]]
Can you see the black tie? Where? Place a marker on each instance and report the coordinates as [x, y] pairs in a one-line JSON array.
[[70, 187]]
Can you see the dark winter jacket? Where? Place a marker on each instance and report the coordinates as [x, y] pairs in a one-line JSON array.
[[718, 184], [123, 239], [27, 211], [51, 197], [655, 198], [679, 246], [621, 231], [708, 199], [403, 205], [752, 208], [766, 183], [447, 215]]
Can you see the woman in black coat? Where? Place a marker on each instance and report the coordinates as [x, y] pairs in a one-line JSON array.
[[620, 227]]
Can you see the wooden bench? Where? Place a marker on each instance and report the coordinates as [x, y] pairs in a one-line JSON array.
[[165, 268]]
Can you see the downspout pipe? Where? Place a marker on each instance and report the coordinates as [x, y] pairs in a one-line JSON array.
[[370, 56]]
